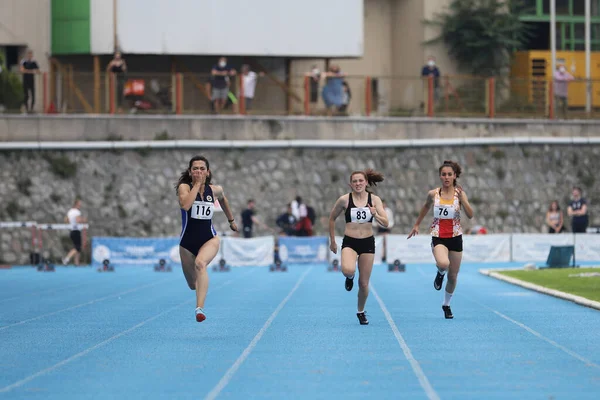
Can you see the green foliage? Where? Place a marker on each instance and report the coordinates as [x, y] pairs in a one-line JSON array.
[[24, 185], [475, 200], [13, 210], [502, 214], [61, 166], [11, 88], [500, 173], [56, 198], [143, 151], [164, 135], [498, 154], [480, 34]]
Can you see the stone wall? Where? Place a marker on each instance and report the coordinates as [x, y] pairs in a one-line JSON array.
[[149, 127], [131, 193]]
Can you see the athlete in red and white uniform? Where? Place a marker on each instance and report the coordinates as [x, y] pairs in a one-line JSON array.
[[446, 232]]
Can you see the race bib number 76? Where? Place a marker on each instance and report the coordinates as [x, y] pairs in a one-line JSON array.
[[443, 212]]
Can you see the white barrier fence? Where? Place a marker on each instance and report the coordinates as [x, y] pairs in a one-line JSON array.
[[517, 247], [35, 248]]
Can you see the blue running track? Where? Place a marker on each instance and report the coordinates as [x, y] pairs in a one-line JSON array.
[[78, 334]]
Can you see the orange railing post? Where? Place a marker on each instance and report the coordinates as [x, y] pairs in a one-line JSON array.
[[368, 96], [491, 97], [446, 92], [306, 95], [111, 93], [45, 92], [430, 96], [551, 99]]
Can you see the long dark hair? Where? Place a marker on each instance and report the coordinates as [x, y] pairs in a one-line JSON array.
[[186, 177], [373, 177], [455, 167]]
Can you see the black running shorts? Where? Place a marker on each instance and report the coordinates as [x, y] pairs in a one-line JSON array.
[[452, 244]]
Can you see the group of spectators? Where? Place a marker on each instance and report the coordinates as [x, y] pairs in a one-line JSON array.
[[221, 81], [577, 210], [298, 220], [336, 92]]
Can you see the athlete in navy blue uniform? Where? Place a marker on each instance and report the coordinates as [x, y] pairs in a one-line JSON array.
[[360, 207], [199, 241]]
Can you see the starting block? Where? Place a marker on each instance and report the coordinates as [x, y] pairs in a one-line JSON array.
[[335, 266], [396, 266], [162, 266], [278, 266], [106, 267], [46, 266], [222, 267]]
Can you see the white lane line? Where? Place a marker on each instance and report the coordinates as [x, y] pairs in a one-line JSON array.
[[96, 346], [44, 291], [537, 334], [238, 363], [416, 367], [44, 315]]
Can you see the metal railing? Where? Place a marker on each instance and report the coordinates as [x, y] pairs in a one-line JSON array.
[[68, 91]]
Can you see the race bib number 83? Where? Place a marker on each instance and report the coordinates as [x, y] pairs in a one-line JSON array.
[[202, 210], [360, 215]]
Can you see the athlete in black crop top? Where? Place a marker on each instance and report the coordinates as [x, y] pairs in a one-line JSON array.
[[359, 207], [199, 241]]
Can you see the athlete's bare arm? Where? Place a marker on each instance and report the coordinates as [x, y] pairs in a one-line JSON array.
[[186, 195], [380, 215], [424, 210], [464, 201], [339, 206], [220, 194]]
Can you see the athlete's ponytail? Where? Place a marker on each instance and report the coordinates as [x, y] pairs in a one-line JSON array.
[[455, 167], [371, 176], [186, 176]]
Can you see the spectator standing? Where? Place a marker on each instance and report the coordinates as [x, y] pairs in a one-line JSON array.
[[118, 67], [220, 83], [74, 218], [578, 211], [249, 80], [346, 97], [29, 68], [313, 85], [333, 90], [561, 88], [431, 69], [249, 219]]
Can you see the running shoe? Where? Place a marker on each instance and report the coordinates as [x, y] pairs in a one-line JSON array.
[[447, 312], [349, 283], [362, 318], [200, 316], [439, 279]]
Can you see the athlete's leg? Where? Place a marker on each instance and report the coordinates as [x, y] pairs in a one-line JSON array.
[[365, 267], [69, 255], [349, 262], [455, 259], [189, 269], [442, 260], [349, 266], [207, 252]]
